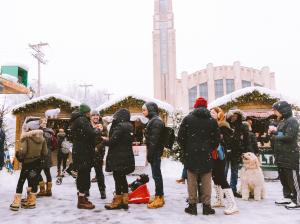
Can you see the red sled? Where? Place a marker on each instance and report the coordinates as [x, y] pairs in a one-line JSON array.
[[141, 195]]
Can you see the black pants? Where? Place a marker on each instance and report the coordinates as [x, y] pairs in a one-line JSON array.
[[83, 180], [47, 173], [98, 166], [29, 172], [290, 182], [121, 183], [1, 158], [61, 158], [218, 173]]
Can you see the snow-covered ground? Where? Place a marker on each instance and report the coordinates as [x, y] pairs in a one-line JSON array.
[[61, 208]]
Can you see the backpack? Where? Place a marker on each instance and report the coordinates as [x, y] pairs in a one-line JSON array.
[[168, 137]]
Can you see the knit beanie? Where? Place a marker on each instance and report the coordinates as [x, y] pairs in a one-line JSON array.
[[83, 108], [200, 102]]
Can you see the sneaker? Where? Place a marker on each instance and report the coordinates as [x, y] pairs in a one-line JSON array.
[[283, 201], [292, 205]]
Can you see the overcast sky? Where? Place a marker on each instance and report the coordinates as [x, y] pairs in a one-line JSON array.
[[108, 43]]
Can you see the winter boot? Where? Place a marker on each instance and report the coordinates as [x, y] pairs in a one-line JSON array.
[[237, 194], [293, 205], [219, 197], [125, 201], [24, 200], [231, 207], [84, 203], [158, 202], [283, 201], [207, 210], [16, 203], [117, 203], [31, 201], [191, 209], [42, 192], [49, 191], [103, 194]]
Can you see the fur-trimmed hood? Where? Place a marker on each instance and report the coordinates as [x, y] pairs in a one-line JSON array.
[[224, 124], [35, 135]]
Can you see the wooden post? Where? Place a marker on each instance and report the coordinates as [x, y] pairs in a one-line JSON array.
[[17, 143]]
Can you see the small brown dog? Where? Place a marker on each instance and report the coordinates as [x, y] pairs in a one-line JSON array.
[[252, 178]]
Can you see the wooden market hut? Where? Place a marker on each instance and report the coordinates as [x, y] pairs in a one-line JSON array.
[[256, 104], [37, 108], [134, 104]]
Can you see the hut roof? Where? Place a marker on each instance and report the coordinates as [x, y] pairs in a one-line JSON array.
[[44, 100], [252, 94], [162, 105]]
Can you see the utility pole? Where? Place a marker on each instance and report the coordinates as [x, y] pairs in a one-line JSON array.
[[108, 95], [85, 86], [39, 55]]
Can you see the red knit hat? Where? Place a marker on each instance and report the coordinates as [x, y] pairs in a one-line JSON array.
[[200, 102]]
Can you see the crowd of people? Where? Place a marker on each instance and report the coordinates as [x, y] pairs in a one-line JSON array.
[[210, 140]]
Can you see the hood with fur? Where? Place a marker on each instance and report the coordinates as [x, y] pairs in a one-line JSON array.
[[34, 135]]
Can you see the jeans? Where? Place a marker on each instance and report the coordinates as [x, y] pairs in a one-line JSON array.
[[47, 173], [234, 175], [157, 177], [61, 158]]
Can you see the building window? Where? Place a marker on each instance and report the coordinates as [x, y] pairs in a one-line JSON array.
[[203, 90], [192, 96], [256, 84], [219, 90], [229, 86], [246, 83]]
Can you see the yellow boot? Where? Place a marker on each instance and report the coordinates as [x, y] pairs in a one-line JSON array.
[[24, 200], [158, 202], [117, 203], [31, 201], [42, 189], [16, 203], [49, 191], [125, 201]]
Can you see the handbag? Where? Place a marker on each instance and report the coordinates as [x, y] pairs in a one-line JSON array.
[[66, 147]]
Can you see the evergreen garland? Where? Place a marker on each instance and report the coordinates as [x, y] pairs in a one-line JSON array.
[[57, 103]]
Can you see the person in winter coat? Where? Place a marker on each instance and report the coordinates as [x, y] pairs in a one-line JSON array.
[[252, 145], [287, 154], [120, 158], [198, 135], [83, 137], [218, 172], [33, 147], [2, 142], [154, 143], [61, 156], [239, 145], [46, 162], [99, 152]]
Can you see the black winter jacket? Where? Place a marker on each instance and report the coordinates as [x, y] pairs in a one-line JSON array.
[[83, 138], [198, 135], [285, 139], [154, 133], [120, 156]]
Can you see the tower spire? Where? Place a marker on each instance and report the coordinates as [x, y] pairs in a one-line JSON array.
[[164, 51]]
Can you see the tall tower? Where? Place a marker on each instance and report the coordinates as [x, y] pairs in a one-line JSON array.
[[164, 52]]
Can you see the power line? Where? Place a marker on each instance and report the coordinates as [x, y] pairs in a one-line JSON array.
[[39, 55]]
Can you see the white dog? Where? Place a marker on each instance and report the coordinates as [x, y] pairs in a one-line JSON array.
[[52, 113], [252, 178]]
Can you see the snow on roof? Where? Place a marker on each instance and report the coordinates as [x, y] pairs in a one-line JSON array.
[[236, 94], [73, 103], [162, 105]]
